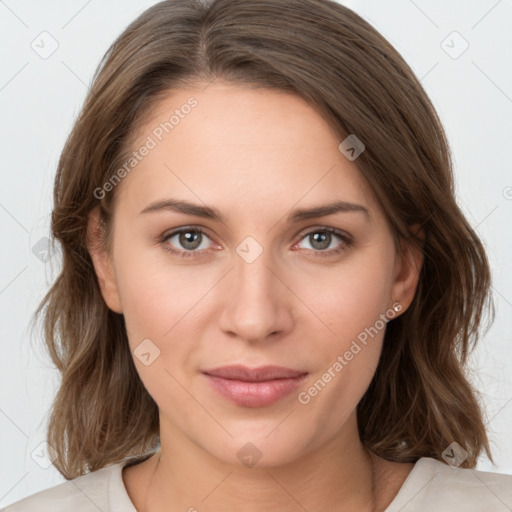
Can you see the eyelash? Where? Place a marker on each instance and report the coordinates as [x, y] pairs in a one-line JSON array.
[[344, 238]]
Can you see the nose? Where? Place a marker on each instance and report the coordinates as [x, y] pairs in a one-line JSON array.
[[258, 305]]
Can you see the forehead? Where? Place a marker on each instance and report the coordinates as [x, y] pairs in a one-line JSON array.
[[226, 115], [232, 143]]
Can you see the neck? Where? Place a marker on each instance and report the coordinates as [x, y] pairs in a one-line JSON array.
[[182, 476]]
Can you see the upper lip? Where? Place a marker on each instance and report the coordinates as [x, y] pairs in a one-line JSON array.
[[259, 374]]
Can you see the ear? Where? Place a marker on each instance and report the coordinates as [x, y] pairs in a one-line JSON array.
[[407, 269], [102, 262]]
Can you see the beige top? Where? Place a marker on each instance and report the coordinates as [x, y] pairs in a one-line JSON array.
[[430, 486]]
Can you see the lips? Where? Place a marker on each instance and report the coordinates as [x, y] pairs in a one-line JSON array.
[[254, 387], [259, 374]]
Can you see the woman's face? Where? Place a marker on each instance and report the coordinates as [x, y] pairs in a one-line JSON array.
[[263, 284]]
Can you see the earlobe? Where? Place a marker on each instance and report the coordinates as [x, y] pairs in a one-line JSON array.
[[409, 269], [102, 262]]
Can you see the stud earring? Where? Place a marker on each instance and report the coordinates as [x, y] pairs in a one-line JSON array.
[[397, 306]]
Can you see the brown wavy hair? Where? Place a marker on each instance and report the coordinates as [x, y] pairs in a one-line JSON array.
[[420, 399]]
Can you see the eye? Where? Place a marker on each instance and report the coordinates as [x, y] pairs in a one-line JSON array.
[[321, 239], [187, 241], [191, 241]]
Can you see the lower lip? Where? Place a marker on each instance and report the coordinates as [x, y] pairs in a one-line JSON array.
[[255, 394]]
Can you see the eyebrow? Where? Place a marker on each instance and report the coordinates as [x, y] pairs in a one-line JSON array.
[[188, 208]]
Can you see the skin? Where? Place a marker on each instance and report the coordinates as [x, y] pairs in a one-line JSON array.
[[255, 155]]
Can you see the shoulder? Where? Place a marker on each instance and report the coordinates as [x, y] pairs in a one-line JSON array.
[[434, 485], [87, 493]]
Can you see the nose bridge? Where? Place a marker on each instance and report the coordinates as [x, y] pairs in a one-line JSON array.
[[252, 274], [257, 304]]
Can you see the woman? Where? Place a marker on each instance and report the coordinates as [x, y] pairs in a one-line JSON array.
[[268, 292]]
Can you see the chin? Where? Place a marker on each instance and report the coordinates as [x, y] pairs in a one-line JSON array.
[[260, 450]]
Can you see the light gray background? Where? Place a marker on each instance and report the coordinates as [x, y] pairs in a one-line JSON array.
[[41, 97]]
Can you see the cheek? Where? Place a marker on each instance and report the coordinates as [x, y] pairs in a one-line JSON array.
[[349, 298], [352, 302], [162, 315], [168, 305], [155, 293]]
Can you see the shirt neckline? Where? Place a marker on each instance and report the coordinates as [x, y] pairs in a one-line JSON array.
[[119, 500], [412, 478]]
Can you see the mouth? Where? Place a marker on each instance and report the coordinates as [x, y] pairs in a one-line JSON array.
[[254, 387]]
